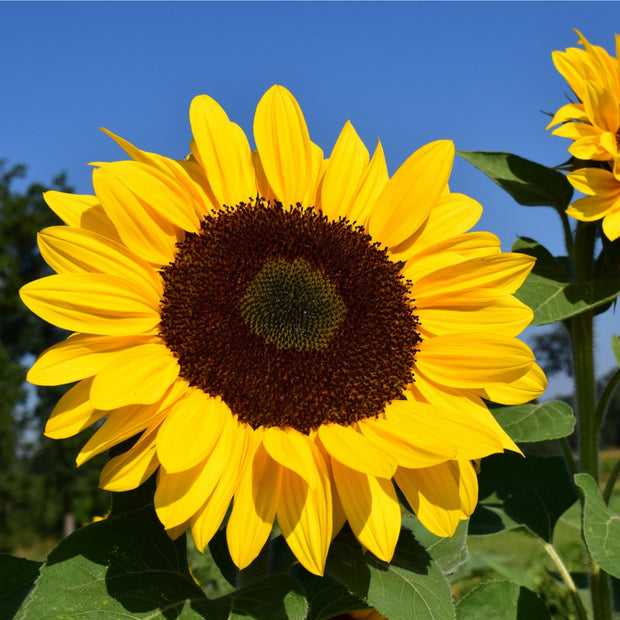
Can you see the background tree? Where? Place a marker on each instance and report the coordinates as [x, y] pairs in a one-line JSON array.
[[41, 492]]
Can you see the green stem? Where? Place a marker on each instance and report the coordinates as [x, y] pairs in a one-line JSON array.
[[582, 337], [568, 235], [580, 610], [568, 456]]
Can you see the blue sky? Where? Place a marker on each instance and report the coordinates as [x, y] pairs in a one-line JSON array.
[[478, 73]]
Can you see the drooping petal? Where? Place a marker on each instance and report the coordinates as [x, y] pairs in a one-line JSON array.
[[129, 470], [254, 508], [372, 509], [73, 412], [195, 423], [305, 515], [523, 390]]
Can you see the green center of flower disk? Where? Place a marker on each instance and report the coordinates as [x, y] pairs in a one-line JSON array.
[[292, 305], [293, 319]]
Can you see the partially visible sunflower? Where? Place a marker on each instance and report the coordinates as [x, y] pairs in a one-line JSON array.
[[602, 197], [289, 333], [593, 121]]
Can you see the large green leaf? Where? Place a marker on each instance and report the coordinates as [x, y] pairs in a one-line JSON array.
[[17, 576], [600, 526], [533, 492], [501, 600], [549, 292], [529, 183], [536, 422], [449, 553], [411, 586], [127, 567]]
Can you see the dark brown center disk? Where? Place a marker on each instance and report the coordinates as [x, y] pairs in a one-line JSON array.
[[292, 319]]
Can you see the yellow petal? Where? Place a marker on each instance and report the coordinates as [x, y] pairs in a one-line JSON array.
[[505, 272], [407, 199], [92, 303], [73, 412], [611, 225], [139, 226], [121, 424], [447, 432], [162, 192], [372, 509], [223, 150], [129, 470], [292, 449], [208, 518], [473, 361], [69, 207], [191, 429], [370, 187], [305, 516], [345, 168], [356, 451], [81, 356], [181, 494], [434, 495], [254, 508], [523, 390], [73, 250], [141, 375], [476, 312], [284, 145]]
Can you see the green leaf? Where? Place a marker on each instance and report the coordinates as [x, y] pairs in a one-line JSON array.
[[449, 553], [501, 600], [127, 567], [327, 597], [549, 292], [529, 183], [536, 422], [615, 347], [17, 577], [411, 586], [533, 491], [600, 526]]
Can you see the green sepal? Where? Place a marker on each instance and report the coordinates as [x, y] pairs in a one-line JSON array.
[[615, 347], [549, 292], [501, 600], [600, 526], [536, 422], [529, 183]]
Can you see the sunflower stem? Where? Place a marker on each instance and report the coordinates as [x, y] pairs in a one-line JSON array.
[[611, 482], [565, 575], [582, 338]]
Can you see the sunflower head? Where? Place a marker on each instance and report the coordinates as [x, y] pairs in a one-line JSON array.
[[289, 334]]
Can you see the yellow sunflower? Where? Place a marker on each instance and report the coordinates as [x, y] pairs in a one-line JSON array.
[[593, 121], [602, 198], [289, 333]]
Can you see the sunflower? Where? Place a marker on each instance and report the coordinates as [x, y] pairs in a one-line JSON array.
[[290, 334], [602, 198], [593, 121]]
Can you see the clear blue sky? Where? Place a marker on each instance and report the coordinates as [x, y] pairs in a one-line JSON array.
[[479, 73]]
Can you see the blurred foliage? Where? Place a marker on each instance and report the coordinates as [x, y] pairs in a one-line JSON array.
[[41, 491]]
